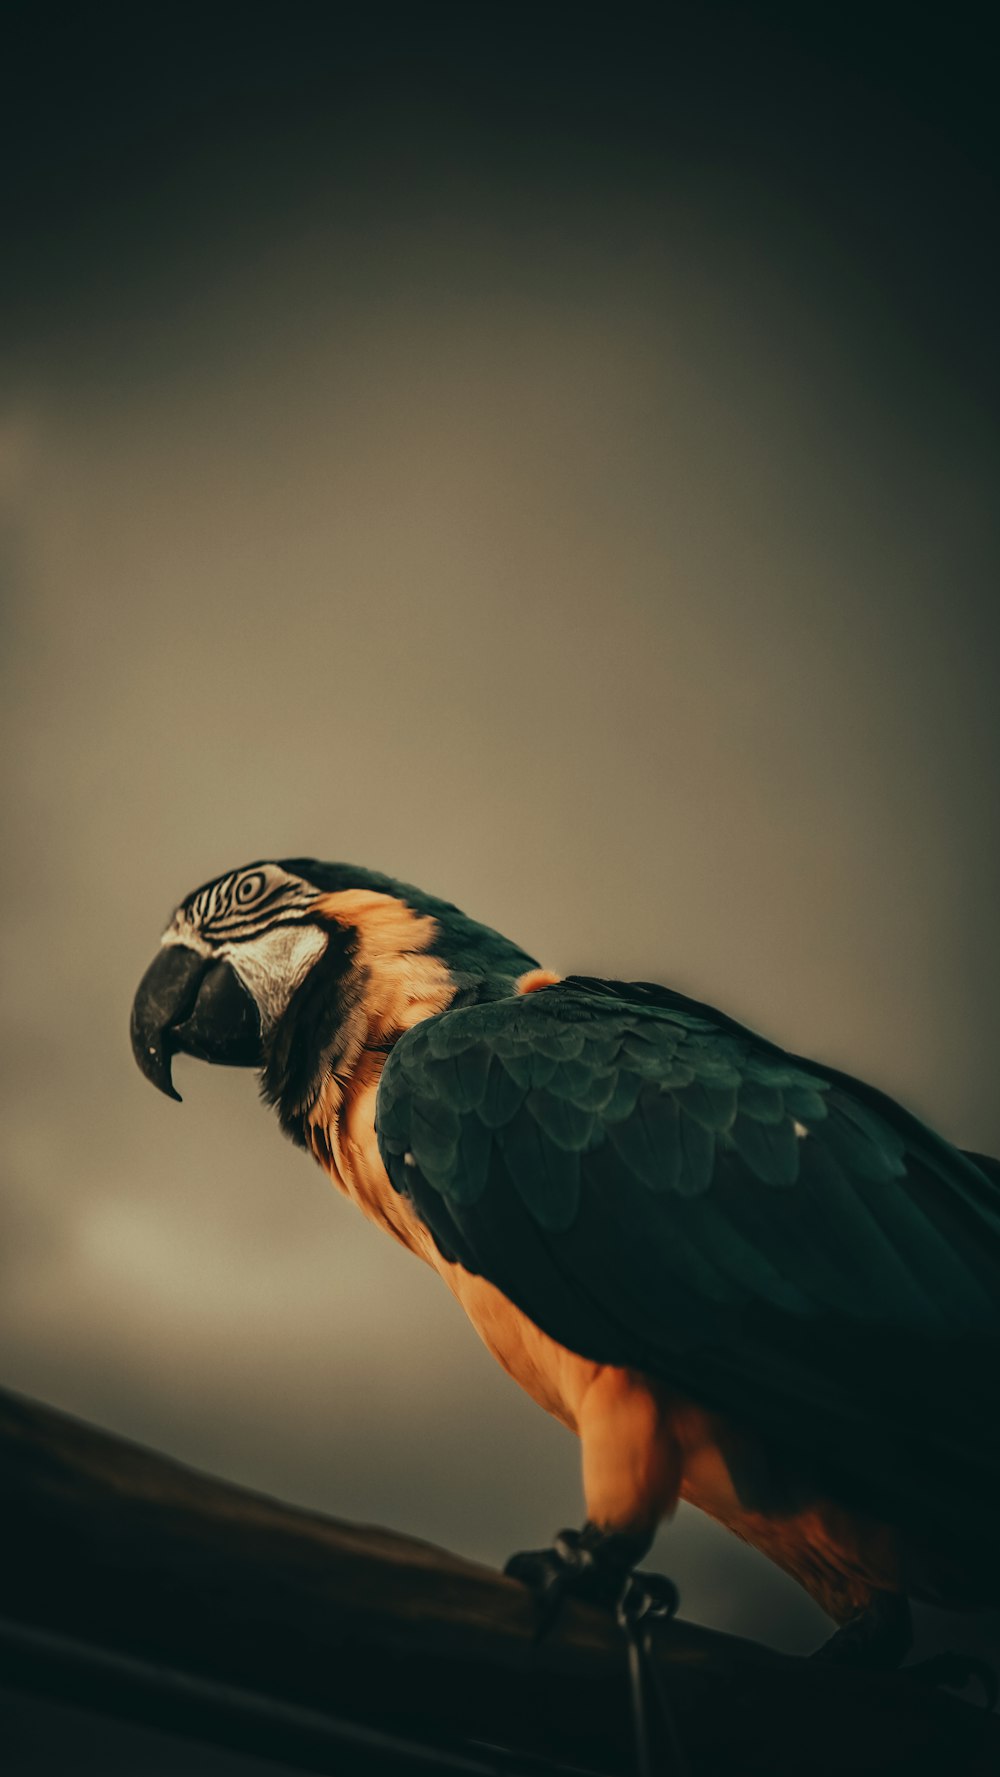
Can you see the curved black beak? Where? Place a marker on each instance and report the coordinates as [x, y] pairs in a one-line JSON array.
[[196, 1005]]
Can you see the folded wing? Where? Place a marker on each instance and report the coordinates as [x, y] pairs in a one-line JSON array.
[[657, 1187]]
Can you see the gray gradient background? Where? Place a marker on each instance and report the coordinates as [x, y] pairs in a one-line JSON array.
[[591, 520]]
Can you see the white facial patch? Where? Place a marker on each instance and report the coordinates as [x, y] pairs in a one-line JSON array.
[[272, 966], [181, 931]]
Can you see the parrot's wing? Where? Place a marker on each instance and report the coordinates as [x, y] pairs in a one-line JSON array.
[[659, 1188]]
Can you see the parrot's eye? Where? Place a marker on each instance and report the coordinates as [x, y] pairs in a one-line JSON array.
[[250, 887]]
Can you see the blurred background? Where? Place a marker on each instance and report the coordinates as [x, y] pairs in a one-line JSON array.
[[553, 462]]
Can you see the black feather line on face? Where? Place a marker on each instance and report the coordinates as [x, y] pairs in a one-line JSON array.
[[309, 1040]]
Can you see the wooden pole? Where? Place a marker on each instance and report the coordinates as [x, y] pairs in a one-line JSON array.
[[146, 1567]]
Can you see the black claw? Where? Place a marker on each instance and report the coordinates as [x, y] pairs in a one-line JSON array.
[[534, 1568], [956, 1671], [595, 1566], [547, 1578], [569, 1569], [648, 1597]]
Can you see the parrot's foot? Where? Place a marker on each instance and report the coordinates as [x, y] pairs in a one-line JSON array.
[[956, 1671], [595, 1565], [880, 1637], [877, 1638], [598, 1565]]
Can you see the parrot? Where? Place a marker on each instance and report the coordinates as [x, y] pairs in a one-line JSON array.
[[743, 1279]]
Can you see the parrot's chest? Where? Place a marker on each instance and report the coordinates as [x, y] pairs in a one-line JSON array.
[[343, 1140], [345, 1144]]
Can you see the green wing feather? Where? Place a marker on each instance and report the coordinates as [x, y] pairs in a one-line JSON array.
[[658, 1187]]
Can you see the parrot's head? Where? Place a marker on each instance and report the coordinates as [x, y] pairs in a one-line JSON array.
[[294, 967], [229, 963]]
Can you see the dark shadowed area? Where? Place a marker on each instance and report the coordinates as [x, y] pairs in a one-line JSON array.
[[557, 468]]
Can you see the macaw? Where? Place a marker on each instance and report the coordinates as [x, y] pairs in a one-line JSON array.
[[743, 1279]]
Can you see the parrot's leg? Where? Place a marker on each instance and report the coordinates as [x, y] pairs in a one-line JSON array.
[[631, 1480]]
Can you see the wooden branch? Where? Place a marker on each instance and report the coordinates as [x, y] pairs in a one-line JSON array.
[[123, 1550]]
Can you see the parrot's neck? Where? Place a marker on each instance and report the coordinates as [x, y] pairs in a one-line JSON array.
[[383, 978], [385, 969]]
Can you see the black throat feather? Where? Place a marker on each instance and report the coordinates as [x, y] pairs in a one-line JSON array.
[[313, 1035]]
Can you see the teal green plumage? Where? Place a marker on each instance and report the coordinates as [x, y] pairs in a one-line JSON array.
[[659, 1188]]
